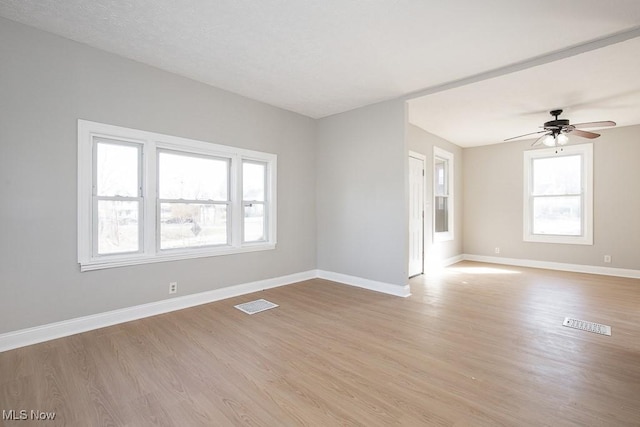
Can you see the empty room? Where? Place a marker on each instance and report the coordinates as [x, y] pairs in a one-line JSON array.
[[415, 213]]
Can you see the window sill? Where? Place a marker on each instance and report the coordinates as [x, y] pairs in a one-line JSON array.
[[112, 262], [442, 237], [568, 240]]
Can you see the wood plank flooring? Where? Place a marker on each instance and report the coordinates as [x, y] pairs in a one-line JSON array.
[[475, 345]]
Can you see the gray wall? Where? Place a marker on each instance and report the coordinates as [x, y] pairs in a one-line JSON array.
[[423, 142], [342, 184], [362, 193], [46, 84], [493, 194]]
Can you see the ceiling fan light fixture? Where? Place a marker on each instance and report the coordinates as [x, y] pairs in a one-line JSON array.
[[554, 132], [549, 141]]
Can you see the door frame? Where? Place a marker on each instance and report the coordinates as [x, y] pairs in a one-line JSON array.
[[422, 158]]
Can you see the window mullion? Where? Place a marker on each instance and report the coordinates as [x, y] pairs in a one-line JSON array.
[[150, 194], [559, 195], [235, 206], [94, 226]]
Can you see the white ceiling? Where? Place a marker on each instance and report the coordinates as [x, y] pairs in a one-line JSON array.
[[602, 84], [319, 58]]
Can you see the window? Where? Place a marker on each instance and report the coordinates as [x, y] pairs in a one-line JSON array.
[[193, 200], [118, 197], [442, 195], [558, 200], [254, 203], [145, 197]]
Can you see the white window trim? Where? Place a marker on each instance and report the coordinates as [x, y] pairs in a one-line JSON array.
[[448, 156], [151, 142], [586, 151]]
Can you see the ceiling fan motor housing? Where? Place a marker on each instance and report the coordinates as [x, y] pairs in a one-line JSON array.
[[556, 124]]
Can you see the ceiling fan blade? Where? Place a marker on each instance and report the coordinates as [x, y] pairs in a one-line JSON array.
[[603, 124], [585, 134], [526, 134], [537, 141]]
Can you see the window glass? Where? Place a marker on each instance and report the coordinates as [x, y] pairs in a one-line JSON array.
[[557, 215], [557, 175], [192, 178], [440, 168], [117, 169], [253, 181], [441, 214], [254, 223], [185, 225], [118, 228]]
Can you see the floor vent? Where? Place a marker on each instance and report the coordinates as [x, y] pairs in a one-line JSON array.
[[256, 306], [583, 325]]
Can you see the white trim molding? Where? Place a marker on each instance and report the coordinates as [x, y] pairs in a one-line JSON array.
[[560, 266], [65, 328], [372, 285], [453, 260], [51, 331]]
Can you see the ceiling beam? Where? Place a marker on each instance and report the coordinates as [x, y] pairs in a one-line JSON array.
[[531, 62]]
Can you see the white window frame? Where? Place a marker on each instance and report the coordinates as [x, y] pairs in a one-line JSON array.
[[586, 153], [443, 236], [151, 143]]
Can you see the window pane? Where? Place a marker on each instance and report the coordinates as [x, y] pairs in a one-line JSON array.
[[117, 170], [557, 215], [118, 230], [193, 178], [557, 175], [442, 214], [184, 225], [254, 223], [441, 178], [253, 181]]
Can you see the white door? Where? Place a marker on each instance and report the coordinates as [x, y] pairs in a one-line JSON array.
[[416, 215]]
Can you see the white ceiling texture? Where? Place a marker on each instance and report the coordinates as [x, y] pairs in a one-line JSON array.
[[320, 58]]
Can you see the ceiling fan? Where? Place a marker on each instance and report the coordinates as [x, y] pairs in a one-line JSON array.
[[555, 131]]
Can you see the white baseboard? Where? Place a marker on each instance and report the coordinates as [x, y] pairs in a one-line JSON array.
[[453, 260], [372, 285], [65, 328], [549, 265], [24, 337], [51, 331]]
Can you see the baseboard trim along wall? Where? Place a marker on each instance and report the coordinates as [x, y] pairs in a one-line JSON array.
[[387, 288], [51, 331], [37, 334], [549, 265], [450, 261]]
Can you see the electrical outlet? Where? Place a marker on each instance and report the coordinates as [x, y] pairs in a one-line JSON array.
[[173, 287], [607, 259], [497, 250]]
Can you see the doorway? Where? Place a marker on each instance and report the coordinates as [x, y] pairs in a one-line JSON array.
[[417, 164]]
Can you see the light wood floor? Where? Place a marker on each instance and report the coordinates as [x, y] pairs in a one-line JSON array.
[[478, 345]]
